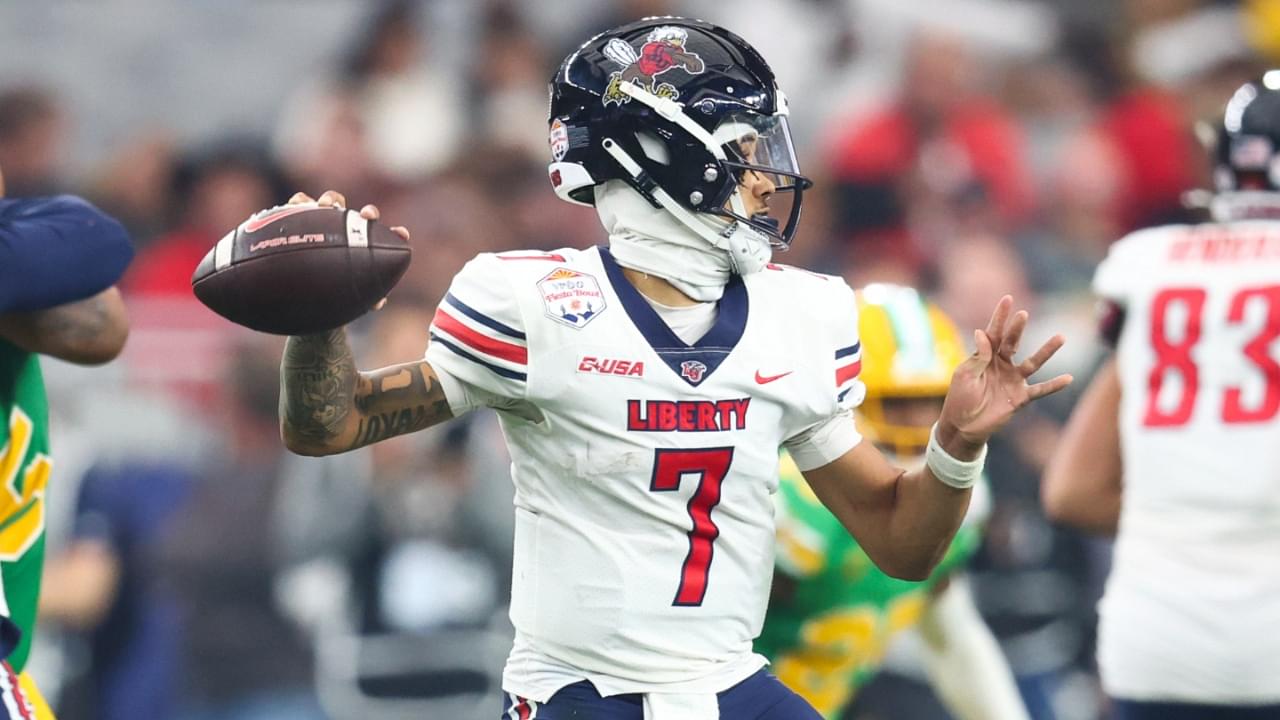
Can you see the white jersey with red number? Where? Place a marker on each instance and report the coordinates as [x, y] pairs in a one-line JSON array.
[[643, 466], [1192, 606]]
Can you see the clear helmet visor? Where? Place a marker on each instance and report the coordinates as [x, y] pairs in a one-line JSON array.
[[763, 159]]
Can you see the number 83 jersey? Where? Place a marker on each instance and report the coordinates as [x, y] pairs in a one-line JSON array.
[[1194, 592], [644, 466]]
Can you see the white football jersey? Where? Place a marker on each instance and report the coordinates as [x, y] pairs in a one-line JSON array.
[[1193, 601], [644, 466]]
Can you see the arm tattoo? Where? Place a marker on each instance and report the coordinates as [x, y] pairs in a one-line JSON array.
[[321, 389], [89, 331], [318, 378], [397, 400], [77, 324]]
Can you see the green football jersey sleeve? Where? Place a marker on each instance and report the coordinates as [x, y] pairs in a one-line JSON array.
[[24, 470]]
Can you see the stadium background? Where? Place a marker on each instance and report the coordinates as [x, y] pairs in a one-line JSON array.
[[969, 147]]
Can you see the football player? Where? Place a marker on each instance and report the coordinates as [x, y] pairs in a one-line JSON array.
[[59, 260], [1173, 446], [833, 613], [645, 389]]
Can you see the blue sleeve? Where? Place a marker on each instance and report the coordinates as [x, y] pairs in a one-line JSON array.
[[57, 250]]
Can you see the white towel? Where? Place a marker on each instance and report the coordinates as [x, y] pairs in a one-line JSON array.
[[681, 706]]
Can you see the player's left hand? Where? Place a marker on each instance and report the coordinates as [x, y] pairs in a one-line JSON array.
[[989, 387]]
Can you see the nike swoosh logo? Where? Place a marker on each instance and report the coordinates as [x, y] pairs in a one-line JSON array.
[[256, 224], [766, 379]]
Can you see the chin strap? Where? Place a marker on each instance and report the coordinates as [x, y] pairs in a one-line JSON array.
[[749, 249]]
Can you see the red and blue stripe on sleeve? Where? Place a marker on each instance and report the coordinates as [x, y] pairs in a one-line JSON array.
[[848, 365], [480, 339]]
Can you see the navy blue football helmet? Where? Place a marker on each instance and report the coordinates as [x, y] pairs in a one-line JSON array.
[[679, 109], [1246, 171], [1248, 152]]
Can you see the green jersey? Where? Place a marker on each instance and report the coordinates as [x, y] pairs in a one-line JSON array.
[[24, 472], [830, 636]]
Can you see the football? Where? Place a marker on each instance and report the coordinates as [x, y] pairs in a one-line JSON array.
[[300, 269]]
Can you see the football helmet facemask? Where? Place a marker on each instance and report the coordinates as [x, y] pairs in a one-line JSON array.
[[679, 109]]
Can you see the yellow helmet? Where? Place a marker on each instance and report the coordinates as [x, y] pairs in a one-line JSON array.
[[909, 350]]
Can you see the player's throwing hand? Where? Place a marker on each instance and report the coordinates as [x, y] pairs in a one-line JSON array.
[[333, 198]]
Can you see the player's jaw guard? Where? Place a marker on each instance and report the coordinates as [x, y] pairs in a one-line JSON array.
[[697, 90]]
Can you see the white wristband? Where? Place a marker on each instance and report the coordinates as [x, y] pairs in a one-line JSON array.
[[959, 474]]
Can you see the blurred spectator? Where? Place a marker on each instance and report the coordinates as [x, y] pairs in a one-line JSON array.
[[220, 558], [216, 191], [511, 84], [942, 153], [974, 272], [429, 563], [1078, 222], [1031, 578], [1076, 169], [179, 614], [32, 141], [421, 486], [103, 585], [451, 219], [1180, 65], [516, 186], [497, 201], [136, 185], [384, 115], [324, 142], [1156, 154]]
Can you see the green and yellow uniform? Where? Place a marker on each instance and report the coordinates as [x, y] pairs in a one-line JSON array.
[[829, 637], [24, 471]]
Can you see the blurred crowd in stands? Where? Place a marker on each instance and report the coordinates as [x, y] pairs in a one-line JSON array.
[[199, 571]]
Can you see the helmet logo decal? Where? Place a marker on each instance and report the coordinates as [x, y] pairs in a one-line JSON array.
[[663, 50]]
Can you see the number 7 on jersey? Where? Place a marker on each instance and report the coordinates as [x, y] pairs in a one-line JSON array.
[[711, 465]]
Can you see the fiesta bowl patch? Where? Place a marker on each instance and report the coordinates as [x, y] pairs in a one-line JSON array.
[[571, 297], [558, 139]]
